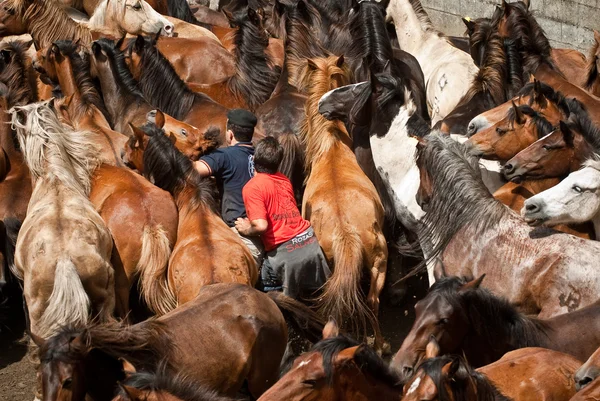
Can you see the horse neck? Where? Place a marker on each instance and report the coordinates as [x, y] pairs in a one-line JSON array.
[[66, 77], [104, 20], [189, 204], [7, 141], [411, 33], [54, 22]]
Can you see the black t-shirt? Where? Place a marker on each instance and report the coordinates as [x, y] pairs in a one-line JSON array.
[[233, 167]]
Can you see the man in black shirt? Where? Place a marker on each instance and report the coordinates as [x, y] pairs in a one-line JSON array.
[[233, 167]]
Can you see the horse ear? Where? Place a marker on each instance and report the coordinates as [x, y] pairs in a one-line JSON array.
[[51, 104], [346, 355], [132, 392], [68, 100], [519, 117], [331, 330], [504, 4], [452, 368], [159, 120], [567, 133], [340, 61], [422, 142], [527, 3], [120, 42], [538, 96], [470, 25], [473, 284], [172, 138], [127, 366], [432, 349], [37, 340], [311, 64], [139, 134]]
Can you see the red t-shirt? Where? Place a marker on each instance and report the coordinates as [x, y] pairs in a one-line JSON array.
[[271, 197]]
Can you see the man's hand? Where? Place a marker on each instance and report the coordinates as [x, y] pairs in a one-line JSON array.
[[243, 225], [251, 228]]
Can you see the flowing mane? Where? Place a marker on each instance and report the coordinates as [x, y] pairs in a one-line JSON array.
[[16, 74], [461, 380], [53, 149], [170, 170], [579, 120], [366, 359], [48, 22], [318, 134], [460, 198]]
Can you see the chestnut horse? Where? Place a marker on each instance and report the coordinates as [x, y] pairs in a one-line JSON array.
[[460, 210], [465, 319], [206, 251], [63, 240], [230, 336], [337, 368], [342, 205]]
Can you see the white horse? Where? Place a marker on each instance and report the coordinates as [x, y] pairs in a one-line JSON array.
[[135, 17], [576, 199], [63, 250], [448, 71]]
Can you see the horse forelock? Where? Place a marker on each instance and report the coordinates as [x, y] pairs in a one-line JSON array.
[[61, 347], [542, 126]]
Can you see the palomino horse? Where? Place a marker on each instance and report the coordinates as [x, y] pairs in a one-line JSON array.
[[589, 371], [206, 251], [337, 368], [448, 71], [465, 319], [351, 236], [523, 375], [574, 200], [63, 239], [460, 210], [228, 337]]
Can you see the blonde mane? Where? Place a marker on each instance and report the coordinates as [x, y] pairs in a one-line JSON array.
[[98, 19], [54, 150], [318, 77]]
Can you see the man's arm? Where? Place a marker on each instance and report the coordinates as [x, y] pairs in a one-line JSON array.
[[202, 168], [251, 228]]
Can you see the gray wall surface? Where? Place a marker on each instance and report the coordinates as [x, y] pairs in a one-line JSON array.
[[567, 23]]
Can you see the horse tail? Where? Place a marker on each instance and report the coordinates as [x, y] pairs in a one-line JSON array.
[[342, 296], [292, 163], [153, 264], [301, 317], [68, 305]]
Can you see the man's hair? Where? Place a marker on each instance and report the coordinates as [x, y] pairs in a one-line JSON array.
[[241, 134], [268, 155]]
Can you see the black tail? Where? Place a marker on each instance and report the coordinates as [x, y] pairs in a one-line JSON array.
[[301, 317]]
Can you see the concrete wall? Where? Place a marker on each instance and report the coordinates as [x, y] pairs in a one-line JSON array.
[[567, 23]]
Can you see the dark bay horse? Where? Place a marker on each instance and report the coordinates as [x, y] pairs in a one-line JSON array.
[[465, 319], [460, 210], [337, 368], [206, 251], [228, 337]]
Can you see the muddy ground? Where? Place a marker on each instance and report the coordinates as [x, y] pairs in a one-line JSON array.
[[17, 378]]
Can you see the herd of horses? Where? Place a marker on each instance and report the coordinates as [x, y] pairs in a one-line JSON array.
[[400, 142]]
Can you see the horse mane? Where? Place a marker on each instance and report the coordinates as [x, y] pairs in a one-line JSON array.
[[542, 126], [48, 22], [126, 84], [90, 96], [163, 380], [458, 385], [424, 19], [319, 134], [52, 148], [365, 358], [460, 198], [254, 80], [549, 93], [170, 170], [160, 83], [15, 74], [592, 70], [480, 36], [579, 121], [180, 9], [490, 315]]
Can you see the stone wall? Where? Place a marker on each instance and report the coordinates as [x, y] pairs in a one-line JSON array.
[[567, 23]]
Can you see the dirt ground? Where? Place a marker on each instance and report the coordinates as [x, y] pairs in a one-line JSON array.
[[17, 377]]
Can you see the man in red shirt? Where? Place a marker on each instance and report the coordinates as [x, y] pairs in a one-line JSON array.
[[294, 261]]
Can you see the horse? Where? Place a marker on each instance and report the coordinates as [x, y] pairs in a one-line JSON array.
[[460, 210], [230, 336], [447, 70], [206, 251], [590, 392], [573, 200], [165, 90], [63, 239], [592, 83], [520, 375], [465, 319], [337, 368], [136, 17], [352, 239], [589, 371]]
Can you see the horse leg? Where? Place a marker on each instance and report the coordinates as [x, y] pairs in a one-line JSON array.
[[122, 285], [378, 272]]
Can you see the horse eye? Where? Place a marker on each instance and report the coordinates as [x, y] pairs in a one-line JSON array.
[[67, 383], [577, 189], [442, 321], [499, 131], [137, 6], [183, 132], [546, 147], [311, 383]]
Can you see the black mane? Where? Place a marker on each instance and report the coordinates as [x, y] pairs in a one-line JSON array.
[[460, 381], [579, 120], [543, 126], [15, 76], [548, 92], [170, 170], [181, 9], [366, 359]]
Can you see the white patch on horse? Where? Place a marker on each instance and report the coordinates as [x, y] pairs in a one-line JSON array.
[[304, 363], [413, 387]]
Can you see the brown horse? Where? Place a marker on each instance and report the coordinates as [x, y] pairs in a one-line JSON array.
[[337, 368], [350, 236], [206, 251], [467, 320], [228, 337]]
